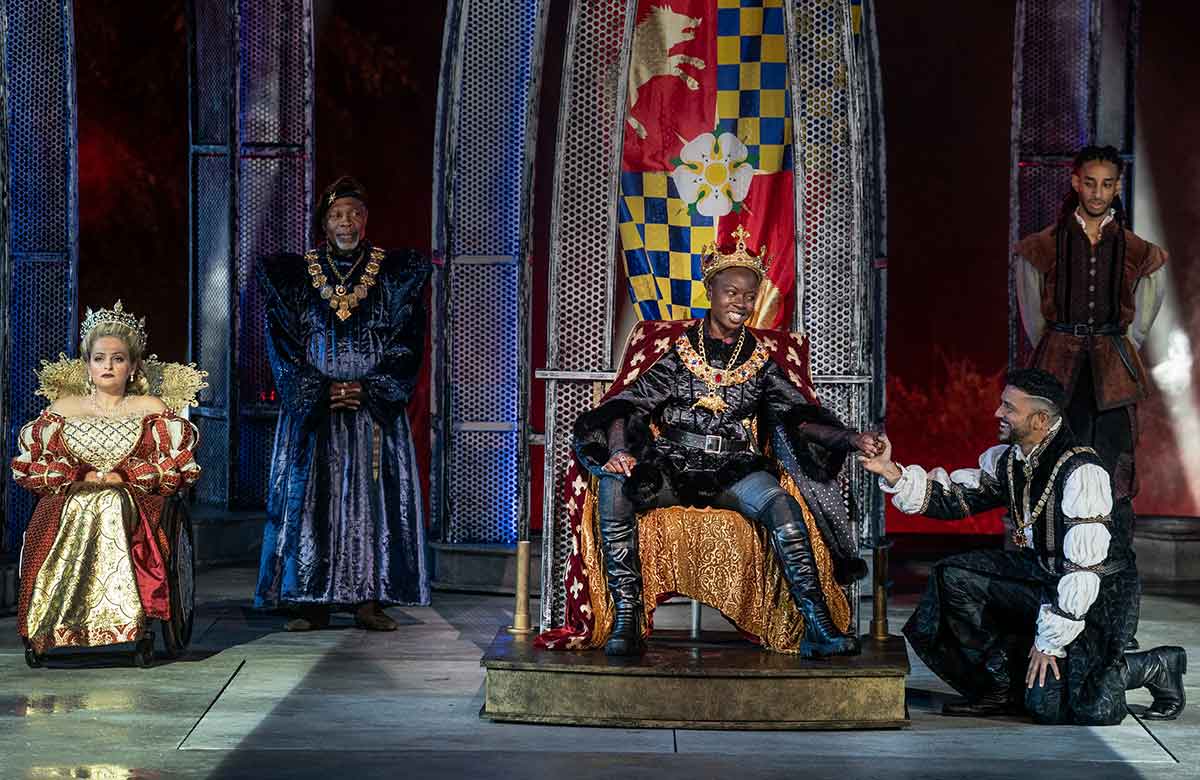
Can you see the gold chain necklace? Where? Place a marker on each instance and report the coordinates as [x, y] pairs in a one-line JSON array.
[[342, 298], [713, 377]]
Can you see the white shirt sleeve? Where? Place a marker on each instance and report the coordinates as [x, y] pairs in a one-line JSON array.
[[910, 494], [1147, 300], [1087, 494], [1029, 283]]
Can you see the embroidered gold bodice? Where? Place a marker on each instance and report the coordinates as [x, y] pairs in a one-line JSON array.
[[102, 442]]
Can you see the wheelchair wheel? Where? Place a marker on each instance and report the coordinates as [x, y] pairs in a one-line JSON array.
[[143, 653], [177, 632], [32, 658]]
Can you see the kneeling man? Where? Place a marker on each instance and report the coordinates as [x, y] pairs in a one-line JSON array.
[[1054, 613]]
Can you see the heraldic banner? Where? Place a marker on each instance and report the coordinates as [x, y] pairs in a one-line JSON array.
[[708, 147]]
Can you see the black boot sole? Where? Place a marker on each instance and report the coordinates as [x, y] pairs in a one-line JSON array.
[[623, 649]]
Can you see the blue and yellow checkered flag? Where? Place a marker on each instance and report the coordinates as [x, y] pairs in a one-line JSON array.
[[702, 72]]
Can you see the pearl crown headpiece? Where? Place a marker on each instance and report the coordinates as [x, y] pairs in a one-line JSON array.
[[715, 261]]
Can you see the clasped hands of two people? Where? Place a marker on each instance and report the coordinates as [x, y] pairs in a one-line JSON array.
[[881, 463]]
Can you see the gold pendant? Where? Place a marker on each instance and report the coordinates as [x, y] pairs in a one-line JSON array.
[[1018, 538], [713, 403]]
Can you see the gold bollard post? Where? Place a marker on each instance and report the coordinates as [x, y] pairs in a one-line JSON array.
[[879, 619], [521, 609]]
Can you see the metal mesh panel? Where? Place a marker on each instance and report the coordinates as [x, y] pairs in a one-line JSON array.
[[212, 454], [269, 189], [571, 399], [484, 347], [851, 403], [41, 186], [256, 438], [583, 247], [38, 288], [41, 123], [486, 358], [210, 95], [834, 282], [583, 232], [273, 70], [484, 509], [1041, 188], [499, 40], [1055, 117], [210, 290], [274, 89]]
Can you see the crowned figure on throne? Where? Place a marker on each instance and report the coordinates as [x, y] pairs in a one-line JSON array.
[[708, 420], [105, 459]]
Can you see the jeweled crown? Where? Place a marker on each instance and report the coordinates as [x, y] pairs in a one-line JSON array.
[[118, 315], [715, 261]]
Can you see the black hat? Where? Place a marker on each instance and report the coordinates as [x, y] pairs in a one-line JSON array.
[[344, 187]]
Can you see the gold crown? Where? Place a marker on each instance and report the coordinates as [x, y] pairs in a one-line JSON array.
[[715, 261], [118, 315]]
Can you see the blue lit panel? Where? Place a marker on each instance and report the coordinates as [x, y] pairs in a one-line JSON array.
[[484, 401], [43, 212]]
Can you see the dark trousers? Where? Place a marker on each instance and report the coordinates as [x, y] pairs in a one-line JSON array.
[[1111, 433], [975, 626]]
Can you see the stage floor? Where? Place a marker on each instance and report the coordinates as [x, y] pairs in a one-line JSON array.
[[253, 701]]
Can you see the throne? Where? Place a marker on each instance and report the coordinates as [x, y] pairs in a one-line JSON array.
[[718, 558], [714, 556]]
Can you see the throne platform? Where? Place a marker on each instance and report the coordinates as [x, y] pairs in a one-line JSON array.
[[719, 681]]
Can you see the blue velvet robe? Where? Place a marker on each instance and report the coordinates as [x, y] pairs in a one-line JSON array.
[[344, 515]]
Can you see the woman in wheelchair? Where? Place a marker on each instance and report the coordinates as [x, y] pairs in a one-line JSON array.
[[106, 550]]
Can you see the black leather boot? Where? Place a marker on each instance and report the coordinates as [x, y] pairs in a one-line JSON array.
[[1160, 670], [999, 701], [623, 570], [790, 542]]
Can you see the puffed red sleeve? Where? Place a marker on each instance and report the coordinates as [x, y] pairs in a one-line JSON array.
[[170, 464], [43, 465]]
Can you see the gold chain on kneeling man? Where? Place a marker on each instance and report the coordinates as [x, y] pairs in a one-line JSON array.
[[1028, 518]]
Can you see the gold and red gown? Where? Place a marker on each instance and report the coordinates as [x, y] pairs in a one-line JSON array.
[[93, 560]]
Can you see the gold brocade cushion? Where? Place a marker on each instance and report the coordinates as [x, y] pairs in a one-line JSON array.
[[721, 559]]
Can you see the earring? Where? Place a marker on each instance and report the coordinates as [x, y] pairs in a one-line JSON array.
[[89, 385]]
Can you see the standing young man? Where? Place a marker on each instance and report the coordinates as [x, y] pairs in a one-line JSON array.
[[1089, 290]]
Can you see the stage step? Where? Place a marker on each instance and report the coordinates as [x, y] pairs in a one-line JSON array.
[[717, 682]]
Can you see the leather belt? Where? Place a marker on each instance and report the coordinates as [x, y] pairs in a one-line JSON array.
[[1083, 330], [711, 444], [1117, 332]]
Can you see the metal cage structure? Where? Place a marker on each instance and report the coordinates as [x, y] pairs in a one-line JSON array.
[[482, 201], [251, 83], [41, 211], [1074, 69], [839, 232]]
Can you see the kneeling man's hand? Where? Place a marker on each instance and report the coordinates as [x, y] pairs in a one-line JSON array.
[[881, 463], [1039, 662]]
